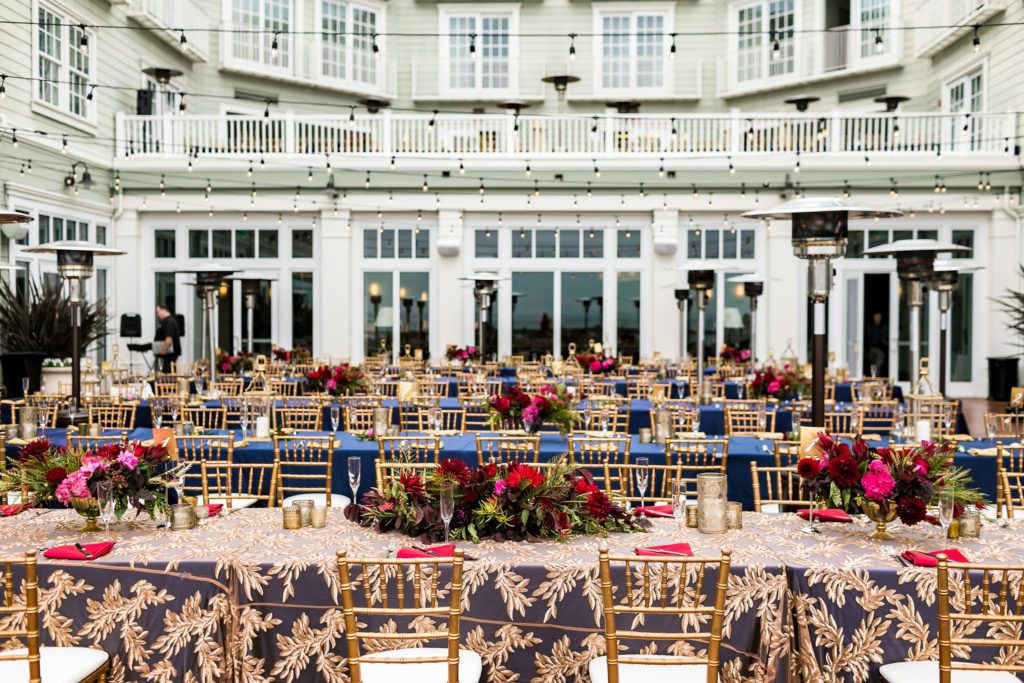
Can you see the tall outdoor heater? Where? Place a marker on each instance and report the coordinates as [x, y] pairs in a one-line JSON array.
[[820, 229], [914, 261], [484, 286], [75, 264], [753, 287], [945, 280], [208, 279], [702, 282], [683, 301], [250, 290]]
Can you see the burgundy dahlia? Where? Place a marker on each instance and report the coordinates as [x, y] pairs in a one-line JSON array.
[[599, 505], [844, 471], [808, 467], [911, 510], [455, 469]]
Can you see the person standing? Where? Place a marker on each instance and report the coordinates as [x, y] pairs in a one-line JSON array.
[[878, 345], [167, 340]]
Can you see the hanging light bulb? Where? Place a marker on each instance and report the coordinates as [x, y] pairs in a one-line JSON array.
[[597, 171], [279, 219], [589, 191], [572, 47], [376, 47], [527, 169], [732, 169], [776, 48], [366, 183], [482, 190], [641, 192], [879, 44], [425, 186], [743, 190], [309, 174], [472, 46], [536, 189], [433, 120], [672, 47], [695, 192], [796, 166], [661, 168]]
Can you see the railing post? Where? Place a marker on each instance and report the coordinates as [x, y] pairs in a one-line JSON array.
[[735, 126], [610, 131], [289, 133], [387, 133], [167, 135], [835, 133]]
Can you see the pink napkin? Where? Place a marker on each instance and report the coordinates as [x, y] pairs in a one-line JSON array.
[[215, 508], [443, 550], [11, 510], [652, 551], [926, 560], [826, 515], [656, 510], [70, 552]]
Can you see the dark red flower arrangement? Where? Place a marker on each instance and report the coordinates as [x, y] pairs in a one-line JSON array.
[[782, 384], [341, 380]]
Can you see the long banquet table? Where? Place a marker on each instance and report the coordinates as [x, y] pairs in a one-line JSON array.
[[240, 599]]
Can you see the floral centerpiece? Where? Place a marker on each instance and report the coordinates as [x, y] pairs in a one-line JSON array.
[[734, 355], [290, 355], [341, 380], [885, 483], [240, 362], [469, 353], [550, 404], [782, 384], [596, 364], [137, 474], [57, 363], [506, 502]]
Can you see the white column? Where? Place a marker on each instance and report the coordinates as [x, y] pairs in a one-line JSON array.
[[129, 270], [335, 287], [784, 301], [450, 301], [657, 292]]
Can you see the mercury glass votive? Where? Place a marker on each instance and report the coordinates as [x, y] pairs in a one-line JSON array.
[[305, 506], [691, 516], [182, 517], [734, 515], [711, 503], [970, 524], [291, 517], [318, 517], [645, 435]]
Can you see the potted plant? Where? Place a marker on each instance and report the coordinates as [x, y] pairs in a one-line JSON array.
[[36, 325]]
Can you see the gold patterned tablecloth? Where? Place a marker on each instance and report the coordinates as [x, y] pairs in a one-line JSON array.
[[240, 599]]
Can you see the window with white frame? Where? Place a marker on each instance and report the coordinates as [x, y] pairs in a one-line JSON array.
[[874, 18], [165, 96], [965, 95], [489, 65], [63, 63], [347, 41], [632, 50], [257, 26], [755, 49]]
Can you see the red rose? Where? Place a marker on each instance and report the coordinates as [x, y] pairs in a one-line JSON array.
[[911, 510], [808, 467], [844, 471], [501, 404], [56, 475]]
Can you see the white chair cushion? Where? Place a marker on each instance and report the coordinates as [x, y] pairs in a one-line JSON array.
[[649, 673], [56, 664], [375, 670], [236, 503], [320, 499], [926, 672]]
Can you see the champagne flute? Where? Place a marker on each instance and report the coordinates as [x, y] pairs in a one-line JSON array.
[[175, 411], [72, 411], [158, 415], [695, 421], [200, 381], [105, 502], [447, 505], [243, 418], [24, 386], [438, 419], [679, 501], [643, 476], [43, 415], [355, 464], [335, 417], [947, 502]]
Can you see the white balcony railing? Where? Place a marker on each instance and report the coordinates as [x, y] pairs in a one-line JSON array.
[[563, 136], [960, 14], [349, 66], [169, 17]]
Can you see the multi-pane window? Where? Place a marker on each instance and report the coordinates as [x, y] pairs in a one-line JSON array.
[[966, 95], [563, 243], [225, 244], [54, 228], [257, 25], [63, 65], [632, 50], [728, 243], [396, 243], [859, 240], [347, 40], [488, 67], [874, 19], [759, 46], [781, 16]]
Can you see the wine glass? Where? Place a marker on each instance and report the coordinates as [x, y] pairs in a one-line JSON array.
[[243, 418], [355, 464], [158, 415], [947, 422], [437, 419], [24, 386], [679, 501], [335, 417], [105, 501], [447, 505], [585, 414], [695, 421], [200, 381], [43, 415], [811, 527], [72, 408], [643, 476], [946, 504], [175, 411]]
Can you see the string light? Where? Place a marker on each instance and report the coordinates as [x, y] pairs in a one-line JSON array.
[[981, 181], [328, 166], [391, 197], [482, 190], [988, 181], [3, 86], [182, 39], [263, 164], [177, 208], [500, 222], [867, 161], [88, 95], [895, 127], [691, 220], [162, 193], [661, 168], [376, 48], [597, 171], [462, 169], [572, 47], [796, 166], [472, 46], [83, 42], [273, 45], [672, 48], [776, 48], [366, 183], [279, 219], [309, 174], [245, 216], [1006, 148], [846, 190], [298, 192], [578, 223], [536, 189], [879, 45], [743, 190], [117, 181], [266, 111], [527, 169], [426, 186], [893, 189], [252, 193], [351, 117], [391, 165], [433, 120], [249, 172], [938, 152], [641, 192], [181, 104], [695, 192], [675, 132], [757, 197], [593, 127], [64, 144], [14, 137], [732, 169], [590, 192]]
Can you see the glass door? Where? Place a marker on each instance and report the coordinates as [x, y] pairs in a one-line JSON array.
[[533, 324], [582, 309]]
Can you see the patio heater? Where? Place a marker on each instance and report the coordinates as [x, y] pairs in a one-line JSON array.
[[683, 301], [702, 282], [820, 229], [75, 264], [484, 286], [753, 287], [208, 279], [945, 279], [914, 266], [250, 289]]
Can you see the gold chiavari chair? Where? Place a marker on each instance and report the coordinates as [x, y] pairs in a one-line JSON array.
[[171, 408], [199, 448], [50, 412], [305, 467], [666, 588], [638, 387], [843, 423], [385, 387], [878, 417], [777, 487], [113, 417], [876, 389], [418, 593], [620, 482], [388, 471], [52, 403], [941, 415], [476, 416], [282, 387], [307, 419], [235, 405], [742, 422], [167, 385], [206, 417], [229, 386], [787, 453], [1004, 425], [35, 664], [601, 386], [494, 386], [1012, 492], [423, 449], [830, 391], [452, 419], [409, 412], [981, 614], [696, 456], [90, 400], [1009, 459], [92, 443], [239, 485], [609, 413], [359, 420], [434, 386], [593, 452], [745, 403], [507, 449], [301, 401]]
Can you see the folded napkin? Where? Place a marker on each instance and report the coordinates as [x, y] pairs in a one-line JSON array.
[[673, 548], [443, 550], [215, 508], [656, 510], [70, 552], [11, 510], [926, 560], [826, 515]]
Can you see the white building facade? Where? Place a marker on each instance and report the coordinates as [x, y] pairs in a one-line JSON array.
[[355, 154]]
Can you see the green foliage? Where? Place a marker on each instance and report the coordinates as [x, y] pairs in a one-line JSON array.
[[41, 321]]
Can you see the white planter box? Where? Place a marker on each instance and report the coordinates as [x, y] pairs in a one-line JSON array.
[[53, 378]]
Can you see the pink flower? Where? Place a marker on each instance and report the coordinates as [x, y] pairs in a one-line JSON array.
[[607, 364], [331, 384], [74, 486], [595, 366], [224, 367], [530, 413], [500, 486], [127, 459], [773, 386], [877, 484]]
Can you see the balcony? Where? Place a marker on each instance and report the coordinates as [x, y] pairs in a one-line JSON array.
[[168, 17], [914, 139], [349, 67], [838, 51], [961, 14]]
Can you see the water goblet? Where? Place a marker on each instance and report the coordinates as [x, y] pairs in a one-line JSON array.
[[200, 381], [158, 415], [105, 502], [355, 464], [335, 417], [643, 476], [447, 505], [679, 501], [243, 419], [24, 386], [947, 502]]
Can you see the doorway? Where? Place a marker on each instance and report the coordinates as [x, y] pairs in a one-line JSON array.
[[876, 324]]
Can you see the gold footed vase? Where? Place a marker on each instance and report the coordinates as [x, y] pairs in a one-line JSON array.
[[90, 509], [875, 514]]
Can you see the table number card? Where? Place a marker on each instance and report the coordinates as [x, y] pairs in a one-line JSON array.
[[1017, 397], [161, 434], [809, 446]]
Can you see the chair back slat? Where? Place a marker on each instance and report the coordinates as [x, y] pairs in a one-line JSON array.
[[305, 465]]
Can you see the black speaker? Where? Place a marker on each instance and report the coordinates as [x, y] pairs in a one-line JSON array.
[[144, 102], [131, 325], [181, 323]]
